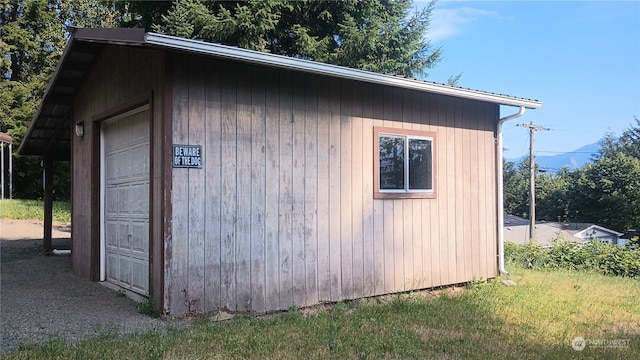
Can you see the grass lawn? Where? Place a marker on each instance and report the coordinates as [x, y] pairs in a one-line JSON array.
[[537, 318], [33, 209]]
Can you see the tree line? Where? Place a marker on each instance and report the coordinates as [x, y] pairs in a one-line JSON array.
[[605, 191], [383, 36]]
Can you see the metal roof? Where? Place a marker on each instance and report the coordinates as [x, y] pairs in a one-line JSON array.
[[50, 129]]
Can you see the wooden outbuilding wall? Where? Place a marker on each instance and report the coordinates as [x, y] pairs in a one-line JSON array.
[[282, 212], [121, 79]]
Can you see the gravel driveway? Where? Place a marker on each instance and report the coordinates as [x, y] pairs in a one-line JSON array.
[[40, 296]]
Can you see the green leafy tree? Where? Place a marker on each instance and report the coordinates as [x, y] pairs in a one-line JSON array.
[[516, 189], [552, 195], [608, 193], [378, 35]]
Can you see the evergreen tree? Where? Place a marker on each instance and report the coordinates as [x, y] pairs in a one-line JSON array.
[[378, 35], [32, 37], [628, 143], [32, 41]]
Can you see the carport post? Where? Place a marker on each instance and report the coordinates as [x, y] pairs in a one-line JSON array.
[[48, 204]]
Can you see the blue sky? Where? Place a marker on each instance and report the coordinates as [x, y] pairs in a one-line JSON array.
[[580, 58]]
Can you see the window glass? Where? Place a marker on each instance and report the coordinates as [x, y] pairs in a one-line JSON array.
[[420, 164], [392, 162]]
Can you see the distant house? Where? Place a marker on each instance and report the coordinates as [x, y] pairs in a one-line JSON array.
[[211, 177], [516, 230]]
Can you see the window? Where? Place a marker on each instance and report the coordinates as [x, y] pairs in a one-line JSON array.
[[404, 163]]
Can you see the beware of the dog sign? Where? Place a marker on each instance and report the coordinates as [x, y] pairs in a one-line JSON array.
[[187, 156]]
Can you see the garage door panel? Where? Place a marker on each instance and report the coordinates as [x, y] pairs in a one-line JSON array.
[[138, 160], [140, 274], [124, 237], [124, 132], [139, 128], [124, 275], [124, 201], [112, 267], [111, 203], [110, 166], [111, 237], [140, 238], [139, 194]]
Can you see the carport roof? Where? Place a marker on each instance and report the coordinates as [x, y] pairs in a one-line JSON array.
[[50, 130]]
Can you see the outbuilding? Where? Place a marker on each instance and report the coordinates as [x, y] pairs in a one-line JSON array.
[[209, 177]]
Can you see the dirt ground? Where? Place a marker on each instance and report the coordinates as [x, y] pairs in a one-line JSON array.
[[41, 297], [31, 229]]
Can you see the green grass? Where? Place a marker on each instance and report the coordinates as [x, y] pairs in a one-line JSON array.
[[34, 209], [537, 318]]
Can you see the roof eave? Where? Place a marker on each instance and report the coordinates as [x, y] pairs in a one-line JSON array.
[[56, 73], [122, 36], [138, 37], [309, 66]]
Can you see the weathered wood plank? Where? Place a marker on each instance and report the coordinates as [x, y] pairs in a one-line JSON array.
[[433, 250], [389, 209], [324, 225], [335, 191], [461, 189], [368, 254], [492, 215], [484, 167], [399, 232], [379, 249], [197, 107], [476, 231], [229, 201], [212, 165], [471, 190], [258, 191], [490, 244], [311, 188], [408, 246], [429, 221], [286, 192], [272, 195], [357, 215], [298, 267], [419, 212], [450, 272], [345, 159], [243, 188], [158, 150], [178, 280]]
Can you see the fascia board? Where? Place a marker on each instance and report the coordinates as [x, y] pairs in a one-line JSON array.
[[314, 67]]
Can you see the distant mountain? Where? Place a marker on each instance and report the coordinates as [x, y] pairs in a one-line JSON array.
[[572, 159]]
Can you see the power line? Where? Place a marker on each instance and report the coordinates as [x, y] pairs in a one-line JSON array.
[[566, 152]]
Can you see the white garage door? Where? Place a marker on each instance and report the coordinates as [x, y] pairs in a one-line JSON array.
[[125, 155]]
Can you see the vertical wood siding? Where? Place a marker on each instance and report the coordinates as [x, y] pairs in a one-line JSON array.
[[119, 76], [282, 213]]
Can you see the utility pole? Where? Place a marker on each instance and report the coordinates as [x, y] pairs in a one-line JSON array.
[[532, 175]]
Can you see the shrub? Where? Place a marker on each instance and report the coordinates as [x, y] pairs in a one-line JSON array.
[[528, 256], [596, 256]]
